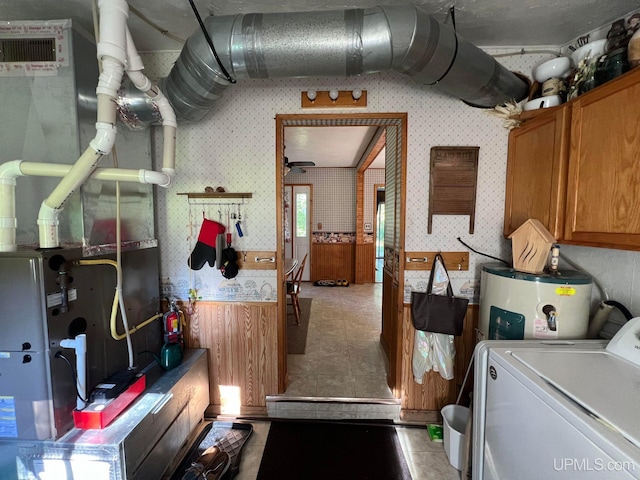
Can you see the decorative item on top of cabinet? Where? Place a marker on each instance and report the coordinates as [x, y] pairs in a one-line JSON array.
[[452, 186], [574, 168]]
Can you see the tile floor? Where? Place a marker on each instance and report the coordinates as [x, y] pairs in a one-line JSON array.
[[345, 362], [343, 357]]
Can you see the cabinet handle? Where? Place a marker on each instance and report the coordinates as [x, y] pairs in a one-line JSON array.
[[167, 398], [265, 259]]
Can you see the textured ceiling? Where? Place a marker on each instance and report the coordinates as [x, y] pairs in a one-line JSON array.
[[482, 22]]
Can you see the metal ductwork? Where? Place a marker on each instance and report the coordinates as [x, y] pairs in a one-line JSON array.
[[341, 43]]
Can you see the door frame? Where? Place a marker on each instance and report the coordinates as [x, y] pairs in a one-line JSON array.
[[344, 119]]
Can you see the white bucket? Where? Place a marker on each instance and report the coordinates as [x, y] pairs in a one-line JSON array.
[[454, 423]]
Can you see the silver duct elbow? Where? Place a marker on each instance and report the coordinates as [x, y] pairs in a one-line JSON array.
[[338, 44]]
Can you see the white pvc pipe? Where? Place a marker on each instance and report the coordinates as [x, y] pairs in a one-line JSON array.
[[40, 169], [10, 171], [111, 51], [169, 121], [113, 26], [79, 344], [8, 206], [115, 51]]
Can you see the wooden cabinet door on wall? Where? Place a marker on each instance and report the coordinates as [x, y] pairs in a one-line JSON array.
[[603, 206], [536, 172]]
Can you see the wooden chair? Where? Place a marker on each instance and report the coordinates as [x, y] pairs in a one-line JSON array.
[[293, 289]]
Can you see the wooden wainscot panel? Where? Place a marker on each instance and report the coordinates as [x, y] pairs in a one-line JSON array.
[[330, 261], [435, 392], [365, 267], [242, 343]]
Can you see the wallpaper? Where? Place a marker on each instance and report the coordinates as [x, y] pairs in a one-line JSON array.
[[234, 147]]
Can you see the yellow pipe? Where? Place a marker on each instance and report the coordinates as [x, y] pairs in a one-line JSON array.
[[114, 307]]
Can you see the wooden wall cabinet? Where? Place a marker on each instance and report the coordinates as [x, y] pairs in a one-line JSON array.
[[576, 168], [603, 208], [537, 171]]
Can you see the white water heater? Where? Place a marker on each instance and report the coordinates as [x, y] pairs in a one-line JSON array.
[[516, 305]]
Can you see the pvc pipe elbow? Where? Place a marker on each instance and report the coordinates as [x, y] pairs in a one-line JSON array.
[[105, 138], [166, 111], [8, 222], [48, 227], [9, 171], [162, 179]]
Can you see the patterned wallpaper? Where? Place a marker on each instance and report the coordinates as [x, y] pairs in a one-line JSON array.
[[234, 147], [334, 201], [334, 197]]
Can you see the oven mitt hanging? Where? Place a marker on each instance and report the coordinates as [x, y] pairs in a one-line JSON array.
[[229, 265], [205, 249]]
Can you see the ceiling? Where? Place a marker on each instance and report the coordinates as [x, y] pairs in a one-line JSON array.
[[496, 23]]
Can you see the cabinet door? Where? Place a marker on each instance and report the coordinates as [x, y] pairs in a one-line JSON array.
[[603, 206], [536, 172]]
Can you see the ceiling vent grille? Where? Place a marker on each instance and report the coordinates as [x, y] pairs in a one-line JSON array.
[[28, 50]]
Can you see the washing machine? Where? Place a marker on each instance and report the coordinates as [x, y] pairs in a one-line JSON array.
[[516, 305]]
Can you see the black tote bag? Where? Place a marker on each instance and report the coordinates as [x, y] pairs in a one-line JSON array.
[[438, 313]]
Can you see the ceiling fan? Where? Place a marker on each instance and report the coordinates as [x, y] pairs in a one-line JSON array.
[[296, 167]]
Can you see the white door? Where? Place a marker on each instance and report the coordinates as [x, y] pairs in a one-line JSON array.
[[301, 226]]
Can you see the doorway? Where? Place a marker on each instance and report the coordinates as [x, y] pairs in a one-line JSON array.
[[397, 122]]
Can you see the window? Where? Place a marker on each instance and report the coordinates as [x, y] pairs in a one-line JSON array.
[[301, 215]]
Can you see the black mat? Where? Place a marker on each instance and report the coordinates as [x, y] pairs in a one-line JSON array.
[[297, 334], [332, 450], [229, 437]]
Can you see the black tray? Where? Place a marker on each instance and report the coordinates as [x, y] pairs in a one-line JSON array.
[[229, 437]]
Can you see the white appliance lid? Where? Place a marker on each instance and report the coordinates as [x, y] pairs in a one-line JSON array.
[[602, 383]]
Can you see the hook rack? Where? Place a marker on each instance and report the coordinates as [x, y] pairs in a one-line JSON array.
[[423, 260], [216, 198]]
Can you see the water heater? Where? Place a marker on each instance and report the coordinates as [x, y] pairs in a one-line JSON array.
[[516, 305]]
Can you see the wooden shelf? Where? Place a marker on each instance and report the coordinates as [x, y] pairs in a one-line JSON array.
[[217, 195]]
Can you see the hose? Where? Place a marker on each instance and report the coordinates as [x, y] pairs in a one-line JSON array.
[[627, 314]]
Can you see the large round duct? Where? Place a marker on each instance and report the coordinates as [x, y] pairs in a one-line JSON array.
[[338, 44]]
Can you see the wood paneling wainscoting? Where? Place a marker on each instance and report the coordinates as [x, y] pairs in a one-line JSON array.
[[435, 392], [243, 350], [365, 263], [331, 261]]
